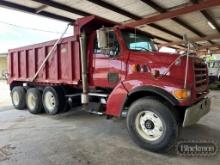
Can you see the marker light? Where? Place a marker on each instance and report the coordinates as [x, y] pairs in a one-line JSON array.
[[181, 94], [135, 68], [139, 68]]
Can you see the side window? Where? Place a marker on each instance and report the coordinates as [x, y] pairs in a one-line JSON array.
[[97, 50], [113, 46]]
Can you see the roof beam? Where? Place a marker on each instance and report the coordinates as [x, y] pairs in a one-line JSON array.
[[154, 6], [115, 9], [177, 20], [200, 53], [174, 13], [209, 37], [210, 46], [215, 51], [62, 7], [105, 5], [66, 8], [207, 16], [166, 30], [133, 16], [41, 8], [47, 14], [160, 38], [33, 11], [210, 18], [205, 47], [187, 26]]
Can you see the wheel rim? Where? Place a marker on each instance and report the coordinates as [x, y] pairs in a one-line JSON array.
[[15, 97], [149, 125], [31, 101], [49, 100]]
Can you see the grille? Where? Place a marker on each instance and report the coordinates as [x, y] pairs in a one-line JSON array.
[[201, 78]]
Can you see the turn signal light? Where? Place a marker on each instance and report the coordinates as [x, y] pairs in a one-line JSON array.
[[135, 68], [181, 94], [139, 68]]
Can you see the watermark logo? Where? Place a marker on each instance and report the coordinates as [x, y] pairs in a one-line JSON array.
[[197, 148]]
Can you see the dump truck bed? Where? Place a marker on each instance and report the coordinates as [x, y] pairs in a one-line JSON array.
[[63, 66]]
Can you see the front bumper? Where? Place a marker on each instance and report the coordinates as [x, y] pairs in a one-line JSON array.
[[196, 111]]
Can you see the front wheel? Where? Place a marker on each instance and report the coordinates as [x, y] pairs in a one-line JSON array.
[[152, 125]]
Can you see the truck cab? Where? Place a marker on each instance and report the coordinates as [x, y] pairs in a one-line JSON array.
[[129, 60], [213, 70]]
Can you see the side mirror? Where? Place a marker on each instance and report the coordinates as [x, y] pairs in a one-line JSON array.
[[102, 38]]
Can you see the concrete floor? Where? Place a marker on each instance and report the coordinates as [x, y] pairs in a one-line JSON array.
[[76, 138]]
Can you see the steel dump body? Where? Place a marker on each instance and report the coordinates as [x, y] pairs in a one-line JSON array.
[[63, 66]]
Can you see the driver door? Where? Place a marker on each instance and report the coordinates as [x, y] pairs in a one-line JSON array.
[[107, 63]]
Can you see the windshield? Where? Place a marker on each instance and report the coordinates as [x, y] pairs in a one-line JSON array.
[[213, 64], [137, 41]]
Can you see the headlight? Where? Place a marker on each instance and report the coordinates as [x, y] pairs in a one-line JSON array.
[[182, 94]]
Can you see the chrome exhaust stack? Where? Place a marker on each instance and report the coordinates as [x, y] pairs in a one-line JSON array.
[[84, 95]]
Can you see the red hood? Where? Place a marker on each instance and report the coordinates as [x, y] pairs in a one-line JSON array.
[[175, 75], [161, 62], [154, 59]]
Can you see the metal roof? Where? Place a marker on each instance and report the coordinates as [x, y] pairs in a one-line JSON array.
[[161, 17]]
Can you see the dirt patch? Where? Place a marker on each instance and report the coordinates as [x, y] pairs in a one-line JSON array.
[[6, 151]]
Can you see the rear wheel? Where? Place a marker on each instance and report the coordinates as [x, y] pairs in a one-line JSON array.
[[53, 100], [151, 125], [34, 101], [17, 96]]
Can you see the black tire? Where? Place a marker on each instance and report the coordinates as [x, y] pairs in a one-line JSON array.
[[34, 101], [169, 127], [17, 97], [59, 101]]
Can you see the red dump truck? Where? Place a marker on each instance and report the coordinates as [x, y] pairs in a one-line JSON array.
[[112, 70]]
